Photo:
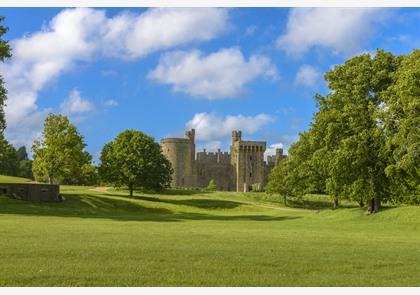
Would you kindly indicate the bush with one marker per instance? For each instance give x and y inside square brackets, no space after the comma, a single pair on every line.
[211,186]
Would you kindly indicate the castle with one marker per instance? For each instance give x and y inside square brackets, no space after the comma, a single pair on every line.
[238,170]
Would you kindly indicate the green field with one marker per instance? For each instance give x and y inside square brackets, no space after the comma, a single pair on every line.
[203,239]
[12,179]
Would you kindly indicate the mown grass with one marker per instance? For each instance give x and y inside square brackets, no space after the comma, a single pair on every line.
[12,179]
[204,239]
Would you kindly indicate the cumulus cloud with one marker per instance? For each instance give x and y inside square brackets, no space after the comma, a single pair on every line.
[81,34]
[135,36]
[222,74]
[41,57]
[307,76]
[75,104]
[211,127]
[343,30]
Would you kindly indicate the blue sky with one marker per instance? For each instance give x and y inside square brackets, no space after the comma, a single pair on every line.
[162,71]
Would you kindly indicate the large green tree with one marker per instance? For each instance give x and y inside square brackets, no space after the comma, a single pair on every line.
[4,54]
[135,160]
[364,141]
[401,118]
[355,136]
[59,155]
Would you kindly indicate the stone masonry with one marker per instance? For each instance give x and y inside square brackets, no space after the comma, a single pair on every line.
[238,170]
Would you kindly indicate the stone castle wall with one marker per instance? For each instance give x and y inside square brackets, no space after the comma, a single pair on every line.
[214,166]
[234,171]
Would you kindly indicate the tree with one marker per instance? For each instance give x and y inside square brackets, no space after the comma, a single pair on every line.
[8,158]
[369,116]
[354,136]
[89,175]
[59,155]
[212,186]
[135,160]
[22,154]
[25,169]
[24,163]
[4,54]
[299,173]
[280,180]
[401,118]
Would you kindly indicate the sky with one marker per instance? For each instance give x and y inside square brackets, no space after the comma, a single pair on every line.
[165,70]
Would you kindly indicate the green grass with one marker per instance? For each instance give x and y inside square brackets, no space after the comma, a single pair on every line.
[12,179]
[204,239]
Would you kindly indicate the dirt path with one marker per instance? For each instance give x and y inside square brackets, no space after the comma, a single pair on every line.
[100,189]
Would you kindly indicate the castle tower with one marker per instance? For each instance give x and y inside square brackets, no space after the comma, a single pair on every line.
[181,153]
[247,159]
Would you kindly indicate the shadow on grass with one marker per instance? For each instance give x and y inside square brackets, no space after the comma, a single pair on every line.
[316,204]
[199,203]
[172,192]
[92,206]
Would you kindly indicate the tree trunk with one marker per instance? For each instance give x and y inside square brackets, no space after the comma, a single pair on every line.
[335,205]
[285,200]
[49,179]
[130,188]
[361,203]
[377,204]
[374,205]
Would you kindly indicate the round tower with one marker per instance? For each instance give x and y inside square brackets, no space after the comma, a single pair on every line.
[181,153]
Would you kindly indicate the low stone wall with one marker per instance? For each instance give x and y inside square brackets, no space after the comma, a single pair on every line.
[37,192]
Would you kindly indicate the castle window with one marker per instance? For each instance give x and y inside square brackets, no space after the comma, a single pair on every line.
[250,174]
[250,157]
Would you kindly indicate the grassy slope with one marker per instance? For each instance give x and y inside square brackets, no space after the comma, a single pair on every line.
[12,179]
[215,239]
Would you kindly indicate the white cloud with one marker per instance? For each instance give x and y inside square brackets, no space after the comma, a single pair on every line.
[222,74]
[28,129]
[135,36]
[307,76]
[210,146]
[81,34]
[75,104]
[111,103]
[343,30]
[41,57]
[271,150]
[210,127]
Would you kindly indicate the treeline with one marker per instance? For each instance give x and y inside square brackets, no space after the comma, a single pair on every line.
[14,162]
[364,141]
[132,160]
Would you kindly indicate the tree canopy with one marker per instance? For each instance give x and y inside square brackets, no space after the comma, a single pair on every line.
[59,155]
[4,54]
[135,160]
[364,142]
[9,164]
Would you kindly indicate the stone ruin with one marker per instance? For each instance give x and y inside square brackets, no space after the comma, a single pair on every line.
[38,192]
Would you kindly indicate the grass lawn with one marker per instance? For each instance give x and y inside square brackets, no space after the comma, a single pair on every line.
[181,238]
[12,179]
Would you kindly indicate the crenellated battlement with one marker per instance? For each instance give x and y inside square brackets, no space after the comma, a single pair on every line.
[213,157]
